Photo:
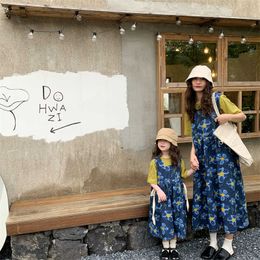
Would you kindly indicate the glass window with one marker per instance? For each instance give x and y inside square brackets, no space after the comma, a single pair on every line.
[248,126]
[243,61]
[172,103]
[181,57]
[248,100]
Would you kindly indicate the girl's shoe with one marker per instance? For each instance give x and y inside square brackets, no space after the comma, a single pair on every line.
[174,254]
[165,255]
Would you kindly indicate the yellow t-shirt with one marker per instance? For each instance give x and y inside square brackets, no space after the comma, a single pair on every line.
[152,174]
[225,105]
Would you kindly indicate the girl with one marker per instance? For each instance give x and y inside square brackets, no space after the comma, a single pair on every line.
[218,194]
[167,214]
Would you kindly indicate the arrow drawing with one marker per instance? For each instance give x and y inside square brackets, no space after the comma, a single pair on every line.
[54,130]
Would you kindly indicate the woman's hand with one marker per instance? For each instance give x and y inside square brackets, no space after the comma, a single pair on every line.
[194,162]
[223,118]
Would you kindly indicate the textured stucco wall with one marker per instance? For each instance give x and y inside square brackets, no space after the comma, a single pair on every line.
[97,161]
[102,160]
[245,9]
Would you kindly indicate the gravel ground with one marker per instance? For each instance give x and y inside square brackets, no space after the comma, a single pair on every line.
[246,246]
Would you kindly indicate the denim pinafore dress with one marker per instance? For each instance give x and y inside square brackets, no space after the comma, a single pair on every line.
[218,194]
[170,216]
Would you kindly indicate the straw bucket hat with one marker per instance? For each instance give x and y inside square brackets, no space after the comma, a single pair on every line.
[167,134]
[201,71]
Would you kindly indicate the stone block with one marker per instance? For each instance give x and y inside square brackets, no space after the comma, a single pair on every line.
[106,239]
[138,236]
[67,250]
[76,233]
[30,246]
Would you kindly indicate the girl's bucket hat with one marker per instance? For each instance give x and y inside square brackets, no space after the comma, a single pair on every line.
[167,134]
[201,71]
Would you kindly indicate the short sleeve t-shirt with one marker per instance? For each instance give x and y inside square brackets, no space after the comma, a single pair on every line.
[225,105]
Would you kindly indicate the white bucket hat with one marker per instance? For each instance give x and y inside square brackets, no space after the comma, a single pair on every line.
[201,71]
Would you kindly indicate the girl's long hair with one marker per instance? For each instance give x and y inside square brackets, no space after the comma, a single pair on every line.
[190,100]
[174,153]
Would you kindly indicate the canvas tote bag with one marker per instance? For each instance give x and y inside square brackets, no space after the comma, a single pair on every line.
[227,134]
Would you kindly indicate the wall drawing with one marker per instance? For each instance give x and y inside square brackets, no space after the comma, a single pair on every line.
[10,99]
[61,106]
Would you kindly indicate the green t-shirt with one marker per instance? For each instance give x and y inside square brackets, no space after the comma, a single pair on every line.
[152,174]
[225,105]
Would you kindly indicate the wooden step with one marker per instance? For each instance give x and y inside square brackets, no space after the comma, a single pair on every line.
[28,216]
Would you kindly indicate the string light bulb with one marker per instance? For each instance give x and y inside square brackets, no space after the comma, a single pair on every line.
[254,24]
[206,50]
[61,35]
[121,30]
[191,41]
[133,27]
[30,34]
[243,40]
[78,16]
[210,29]
[221,35]
[7,11]
[178,21]
[158,36]
[94,37]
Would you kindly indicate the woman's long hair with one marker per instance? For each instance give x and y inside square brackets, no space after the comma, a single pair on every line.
[174,153]
[190,100]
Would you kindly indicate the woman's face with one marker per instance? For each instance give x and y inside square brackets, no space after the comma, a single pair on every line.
[198,84]
[163,145]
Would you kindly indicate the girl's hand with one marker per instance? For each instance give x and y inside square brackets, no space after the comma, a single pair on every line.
[190,172]
[161,195]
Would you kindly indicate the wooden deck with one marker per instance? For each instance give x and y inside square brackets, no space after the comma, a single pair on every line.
[28,216]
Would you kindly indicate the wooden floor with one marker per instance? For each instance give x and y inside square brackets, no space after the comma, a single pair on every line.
[30,216]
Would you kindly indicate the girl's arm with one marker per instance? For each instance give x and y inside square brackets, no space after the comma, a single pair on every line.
[185,173]
[223,118]
[159,191]
[194,163]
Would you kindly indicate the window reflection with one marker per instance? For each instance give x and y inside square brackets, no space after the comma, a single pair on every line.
[172,103]
[181,57]
[243,61]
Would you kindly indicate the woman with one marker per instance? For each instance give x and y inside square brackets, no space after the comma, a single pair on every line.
[218,193]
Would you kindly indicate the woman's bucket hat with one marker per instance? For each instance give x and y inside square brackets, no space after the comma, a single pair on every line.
[201,71]
[167,134]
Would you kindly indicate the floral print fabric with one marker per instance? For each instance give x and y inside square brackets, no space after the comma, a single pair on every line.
[170,216]
[218,193]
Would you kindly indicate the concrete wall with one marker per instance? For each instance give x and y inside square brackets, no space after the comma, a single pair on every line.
[249,9]
[101,160]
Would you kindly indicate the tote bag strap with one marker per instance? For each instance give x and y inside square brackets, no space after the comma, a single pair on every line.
[214,103]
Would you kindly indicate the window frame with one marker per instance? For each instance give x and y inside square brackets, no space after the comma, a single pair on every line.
[222,84]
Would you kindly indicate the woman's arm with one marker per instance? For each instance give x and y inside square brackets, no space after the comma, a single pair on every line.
[230,111]
[223,118]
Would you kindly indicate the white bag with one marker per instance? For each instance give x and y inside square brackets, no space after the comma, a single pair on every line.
[227,134]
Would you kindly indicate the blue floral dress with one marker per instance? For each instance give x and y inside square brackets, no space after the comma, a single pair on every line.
[218,193]
[170,216]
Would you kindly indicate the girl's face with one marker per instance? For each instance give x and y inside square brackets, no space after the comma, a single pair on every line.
[163,145]
[198,84]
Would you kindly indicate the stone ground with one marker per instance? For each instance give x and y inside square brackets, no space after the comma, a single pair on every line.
[246,247]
